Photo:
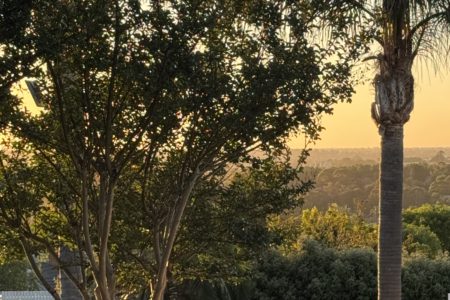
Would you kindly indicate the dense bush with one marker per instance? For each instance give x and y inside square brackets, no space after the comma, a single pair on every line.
[425,279]
[434,216]
[420,241]
[213,290]
[317,273]
[338,228]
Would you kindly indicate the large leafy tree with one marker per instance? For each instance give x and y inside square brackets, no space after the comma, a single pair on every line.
[222,235]
[174,90]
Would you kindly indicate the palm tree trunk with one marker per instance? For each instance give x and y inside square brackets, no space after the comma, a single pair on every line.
[390,213]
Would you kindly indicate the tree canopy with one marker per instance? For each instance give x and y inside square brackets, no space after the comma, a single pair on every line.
[152,100]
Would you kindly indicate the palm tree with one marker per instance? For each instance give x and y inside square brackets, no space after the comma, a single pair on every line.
[406,27]
[403,29]
[394,100]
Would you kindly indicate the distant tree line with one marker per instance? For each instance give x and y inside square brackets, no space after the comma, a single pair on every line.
[356,186]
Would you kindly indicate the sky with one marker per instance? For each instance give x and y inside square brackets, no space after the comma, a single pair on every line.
[351,125]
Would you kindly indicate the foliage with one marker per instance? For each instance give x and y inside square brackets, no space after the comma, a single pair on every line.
[15,275]
[16,54]
[336,228]
[434,216]
[228,225]
[351,186]
[339,228]
[317,272]
[214,290]
[425,279]
[439,189]
[225,228]
[355,186]
[420,241]
[169,93]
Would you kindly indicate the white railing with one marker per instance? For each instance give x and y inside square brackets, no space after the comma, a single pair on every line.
[22,295]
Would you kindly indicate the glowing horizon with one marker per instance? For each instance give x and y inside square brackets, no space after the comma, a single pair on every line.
[351,125]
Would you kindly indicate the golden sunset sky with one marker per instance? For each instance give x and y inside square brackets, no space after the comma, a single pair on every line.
[351,126]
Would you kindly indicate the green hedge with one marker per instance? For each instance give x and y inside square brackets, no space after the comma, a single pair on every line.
[317,272]
[425,279]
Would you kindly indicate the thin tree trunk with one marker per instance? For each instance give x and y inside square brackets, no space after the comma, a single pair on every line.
[37,271]
[390,213]
[161,280]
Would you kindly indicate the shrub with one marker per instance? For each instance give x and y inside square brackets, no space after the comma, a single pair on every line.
[434,216]
[425,279]
[317,273]
[420,241]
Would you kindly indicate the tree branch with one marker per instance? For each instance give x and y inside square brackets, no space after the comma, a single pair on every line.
[423,23]
[36,270]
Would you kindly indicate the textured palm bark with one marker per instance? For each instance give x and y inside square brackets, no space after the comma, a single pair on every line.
[394,96]
[390,214]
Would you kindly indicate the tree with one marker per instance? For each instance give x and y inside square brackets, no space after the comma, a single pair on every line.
[337,228]
[439,157]
[420,241]
[436,217]
[403,29]
[27,213]
[225,228]
[173,91]
[439,189]
[15,276]
[349,186]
